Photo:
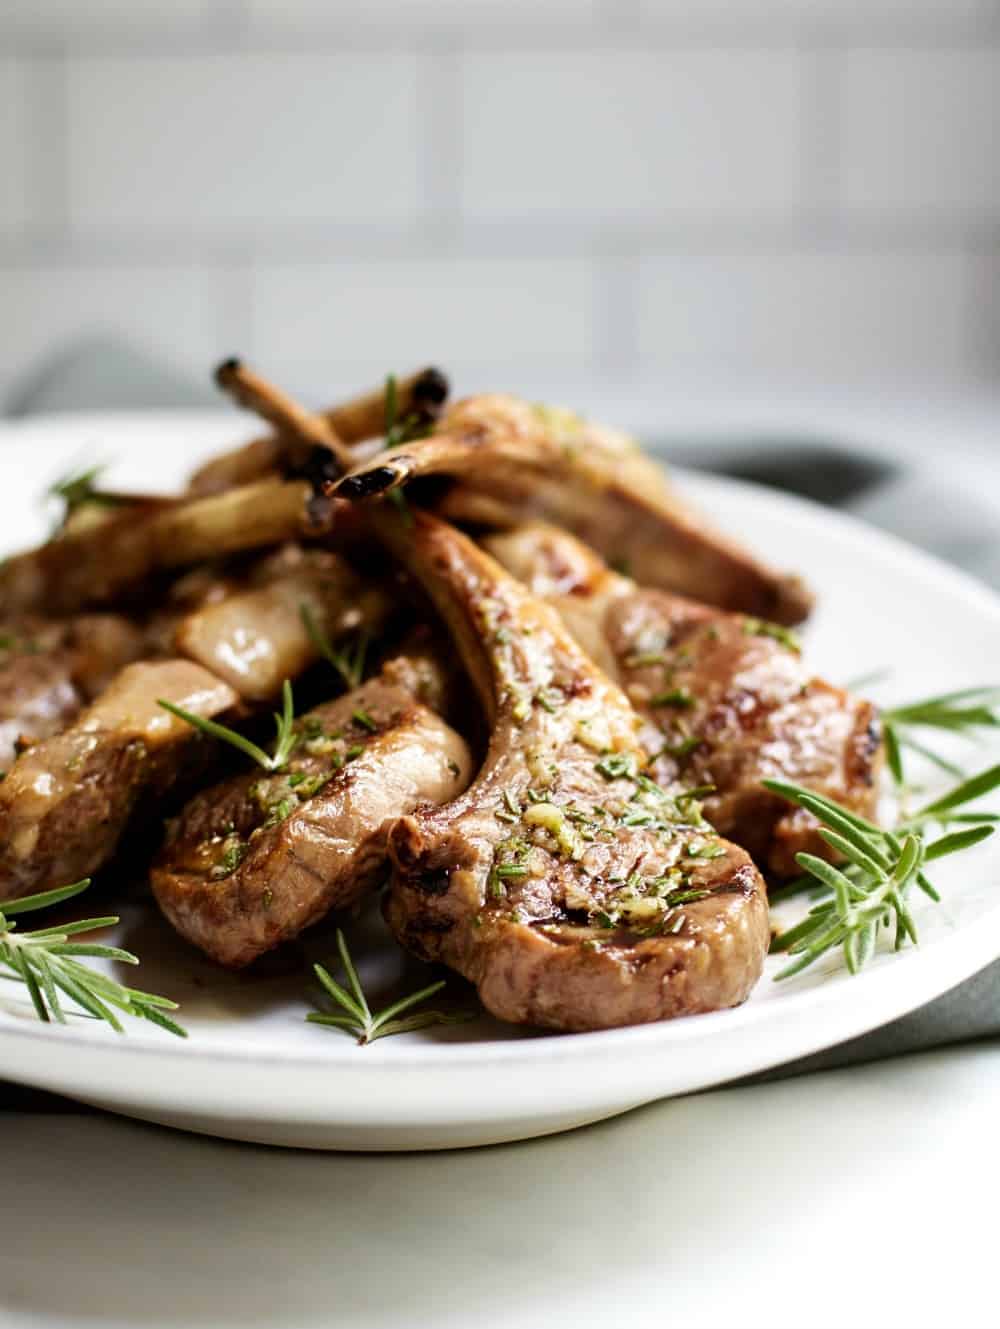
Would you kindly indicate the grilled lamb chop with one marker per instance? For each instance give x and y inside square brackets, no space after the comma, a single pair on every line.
[536,462]
[574,892]
[256,638]
[726,700]
[104,562]
[66,802]
[49,668]
[251,863]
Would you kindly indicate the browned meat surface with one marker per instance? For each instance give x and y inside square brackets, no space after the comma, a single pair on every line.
[98,646]
[66,802]
[570,889]
[37,698]
[549,464]
[256,638]
[48,669]
[254,861]
[105,561]
[727,700]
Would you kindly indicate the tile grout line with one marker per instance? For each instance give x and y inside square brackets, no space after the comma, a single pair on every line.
[229,30]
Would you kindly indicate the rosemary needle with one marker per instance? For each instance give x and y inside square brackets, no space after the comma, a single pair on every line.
[349,662]
[287,738]
[358,1018]
[966,713]
[868,893]
[47,962]
[396,429]
[77,489]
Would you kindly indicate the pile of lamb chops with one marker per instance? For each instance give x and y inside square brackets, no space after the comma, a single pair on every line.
[556,765]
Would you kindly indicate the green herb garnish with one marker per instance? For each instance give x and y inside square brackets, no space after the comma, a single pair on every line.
[762,627]
[349,661]
[679,697]
[362,718]
[398,430]
[869,892]
[47,962]
[965,712]
[359,1020]
[616,766]
[78,489]
[287,738]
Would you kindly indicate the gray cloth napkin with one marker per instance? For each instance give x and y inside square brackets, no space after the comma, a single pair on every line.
[105,374]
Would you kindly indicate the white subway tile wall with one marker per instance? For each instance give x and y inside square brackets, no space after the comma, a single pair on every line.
[889,308]
[54,19]
[921,133]
[14,136]
[793,189]
[246,139]
[317,321]
[170,311]
[632,135]
[857,14]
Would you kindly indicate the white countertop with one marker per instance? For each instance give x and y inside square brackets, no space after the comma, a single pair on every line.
[853,1197]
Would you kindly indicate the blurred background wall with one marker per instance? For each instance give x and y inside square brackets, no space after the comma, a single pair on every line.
[524,190]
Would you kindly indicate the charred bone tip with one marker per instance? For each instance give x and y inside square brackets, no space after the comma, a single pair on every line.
[321,468]
[368,483]
[431,388]
[225,370]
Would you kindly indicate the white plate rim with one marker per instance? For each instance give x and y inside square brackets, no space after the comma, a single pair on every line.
[928,972]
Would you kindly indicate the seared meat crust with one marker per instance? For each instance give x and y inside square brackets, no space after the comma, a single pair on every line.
[727,700]
[252,862]
[569,888]
[50,668]
[67,801]
[545,463]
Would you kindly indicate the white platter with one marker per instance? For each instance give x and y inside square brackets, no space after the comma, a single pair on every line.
[252,1068]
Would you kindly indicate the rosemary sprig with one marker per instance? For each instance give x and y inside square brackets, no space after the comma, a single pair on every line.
[869,892]
[287,738]
[358,1018]
[397,430]
[349,662]
[77,489]
[965,712]
[47,962]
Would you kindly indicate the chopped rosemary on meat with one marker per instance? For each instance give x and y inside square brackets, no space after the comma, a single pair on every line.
[681,749]
[362,718]
[550,699]
[22,645]
[348,661]
[644,659]
[78,489]
[285,743]
[616,766]
[358,1018]
[869,893]
[680,697]
[234,851]
[762,627]
[47,962]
